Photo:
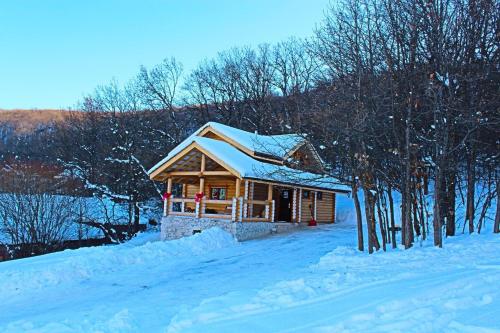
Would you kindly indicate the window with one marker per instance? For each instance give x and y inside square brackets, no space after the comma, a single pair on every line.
[218,193]
[305,194]
[319,195]
[177,190]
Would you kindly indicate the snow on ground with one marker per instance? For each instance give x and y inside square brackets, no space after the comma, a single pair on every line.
[309,281]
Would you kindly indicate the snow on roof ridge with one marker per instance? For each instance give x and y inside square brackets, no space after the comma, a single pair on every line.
[274,145]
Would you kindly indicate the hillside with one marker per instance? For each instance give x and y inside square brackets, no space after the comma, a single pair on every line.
[312,281]
[25,121]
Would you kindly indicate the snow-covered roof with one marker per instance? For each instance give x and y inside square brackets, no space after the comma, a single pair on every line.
[248,167]
[275,145]
[251,168]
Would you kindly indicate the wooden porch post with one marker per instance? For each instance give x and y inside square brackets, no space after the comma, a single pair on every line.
[294,205]
[203,163]
[236,200]
[334,197]
[199,204]
[270,205]
[250,197]
[245,203]
[183,204]
[238,188]
[166,203]
[299,218]
[315,204]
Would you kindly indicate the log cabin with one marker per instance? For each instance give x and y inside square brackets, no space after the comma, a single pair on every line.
[246,183]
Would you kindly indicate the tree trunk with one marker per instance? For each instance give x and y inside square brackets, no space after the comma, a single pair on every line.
[486,205]
[416,222]
[471,179]
[370,220]
[137,219]
[386,218]
[403,217]
[359,217]
[496,226]
[381,225]
[407,220]
[450,204]
[368,216]
[391,210]
[437,209]
[422,215]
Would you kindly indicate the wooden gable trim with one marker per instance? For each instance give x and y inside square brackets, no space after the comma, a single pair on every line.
[227,139]
[316,155]
[311,148]
[217,160]
[230,171]
[174,159]
[294,149]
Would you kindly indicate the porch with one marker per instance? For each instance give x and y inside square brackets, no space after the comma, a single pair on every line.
[220,197]
[231,198]
[200,185]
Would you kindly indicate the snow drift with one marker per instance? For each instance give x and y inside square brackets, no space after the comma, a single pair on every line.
[20,276]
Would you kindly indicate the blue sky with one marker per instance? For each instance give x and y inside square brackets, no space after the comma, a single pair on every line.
[54,51]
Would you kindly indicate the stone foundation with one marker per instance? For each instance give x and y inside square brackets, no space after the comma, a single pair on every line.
[173,227]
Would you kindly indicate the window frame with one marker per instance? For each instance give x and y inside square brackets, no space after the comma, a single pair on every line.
[212,188]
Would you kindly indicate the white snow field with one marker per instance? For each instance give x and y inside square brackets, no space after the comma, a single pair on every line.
[309,281]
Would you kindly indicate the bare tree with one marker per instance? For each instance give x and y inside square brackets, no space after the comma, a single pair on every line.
[34,217]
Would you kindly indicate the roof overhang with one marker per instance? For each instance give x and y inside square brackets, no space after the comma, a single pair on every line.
[294,184]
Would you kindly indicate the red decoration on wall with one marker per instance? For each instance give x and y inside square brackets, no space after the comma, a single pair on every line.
[198,196]
[166,195]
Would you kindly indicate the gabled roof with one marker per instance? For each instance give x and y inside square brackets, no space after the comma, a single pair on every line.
[276,146]
[248,167]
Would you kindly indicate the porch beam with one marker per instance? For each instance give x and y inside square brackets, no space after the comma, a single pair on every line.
[200,173]
[304,187]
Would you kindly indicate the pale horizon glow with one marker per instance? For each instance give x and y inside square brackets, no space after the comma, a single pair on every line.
[56,51]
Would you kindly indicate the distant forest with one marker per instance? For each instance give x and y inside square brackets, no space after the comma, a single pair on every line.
[396,95]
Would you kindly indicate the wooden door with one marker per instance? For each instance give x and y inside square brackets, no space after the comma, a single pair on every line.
[285,206]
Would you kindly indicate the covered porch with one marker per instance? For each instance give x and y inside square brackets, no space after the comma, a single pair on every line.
[219,196]
[200,186]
